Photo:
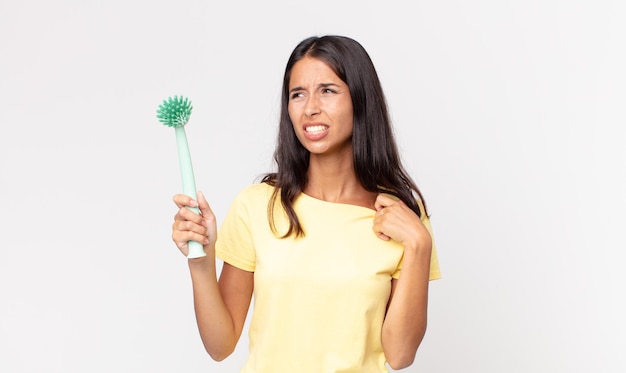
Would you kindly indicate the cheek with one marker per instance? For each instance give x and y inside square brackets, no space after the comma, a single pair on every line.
[347,118]
[346,112]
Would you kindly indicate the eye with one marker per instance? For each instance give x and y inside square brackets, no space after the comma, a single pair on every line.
[295,95]
[328,90]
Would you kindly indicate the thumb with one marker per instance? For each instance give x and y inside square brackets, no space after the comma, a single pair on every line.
[208,218]
[382,201]
[203,205]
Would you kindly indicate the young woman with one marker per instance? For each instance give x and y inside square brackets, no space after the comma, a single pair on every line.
[336,245]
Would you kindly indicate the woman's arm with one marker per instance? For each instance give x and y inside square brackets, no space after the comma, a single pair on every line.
[406,318]
[220,307]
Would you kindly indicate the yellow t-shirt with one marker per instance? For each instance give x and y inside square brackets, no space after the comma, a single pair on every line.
[319,301]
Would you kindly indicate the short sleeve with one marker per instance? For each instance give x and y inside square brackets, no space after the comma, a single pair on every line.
[234,244]
[435,272]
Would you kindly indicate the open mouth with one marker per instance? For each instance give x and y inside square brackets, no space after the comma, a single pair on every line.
[315,129]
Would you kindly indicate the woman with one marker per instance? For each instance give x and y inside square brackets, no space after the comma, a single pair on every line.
[336,245]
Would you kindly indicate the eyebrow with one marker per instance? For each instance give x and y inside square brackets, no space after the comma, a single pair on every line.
[321,85]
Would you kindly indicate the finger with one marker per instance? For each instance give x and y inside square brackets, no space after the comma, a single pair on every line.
[185,214]
[181,239]
[376,227]
[183,200]
[382,201]
[203,205]
[184,231]
[189,226]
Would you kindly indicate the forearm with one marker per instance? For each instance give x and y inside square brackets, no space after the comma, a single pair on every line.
[406,318]
[214,320]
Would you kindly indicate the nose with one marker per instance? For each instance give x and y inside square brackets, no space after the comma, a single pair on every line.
[312,107]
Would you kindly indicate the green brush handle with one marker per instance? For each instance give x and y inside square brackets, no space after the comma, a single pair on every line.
[189,184]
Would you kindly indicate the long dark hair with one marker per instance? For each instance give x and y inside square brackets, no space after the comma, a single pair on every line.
[376,160]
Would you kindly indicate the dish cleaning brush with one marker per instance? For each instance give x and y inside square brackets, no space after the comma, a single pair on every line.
[175,112]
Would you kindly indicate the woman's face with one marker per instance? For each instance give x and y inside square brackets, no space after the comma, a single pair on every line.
[320,108]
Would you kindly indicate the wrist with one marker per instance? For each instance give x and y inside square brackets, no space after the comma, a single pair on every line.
[419,247]
[201,263]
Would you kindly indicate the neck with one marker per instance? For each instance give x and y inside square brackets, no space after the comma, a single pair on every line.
[334,180]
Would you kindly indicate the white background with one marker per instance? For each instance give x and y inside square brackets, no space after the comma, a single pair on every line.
[510,115]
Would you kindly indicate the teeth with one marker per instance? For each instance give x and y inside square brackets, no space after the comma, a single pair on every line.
[315,129]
